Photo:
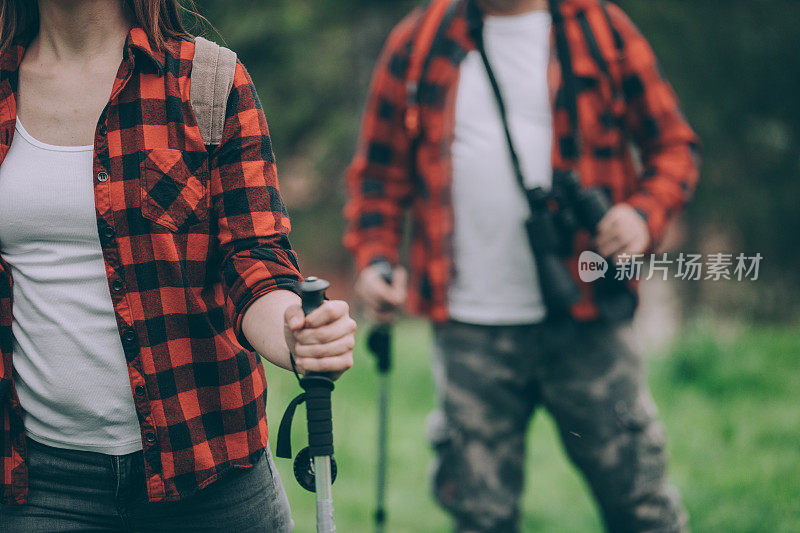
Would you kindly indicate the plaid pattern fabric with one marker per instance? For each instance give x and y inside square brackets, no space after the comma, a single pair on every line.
[634,104]
[190,238]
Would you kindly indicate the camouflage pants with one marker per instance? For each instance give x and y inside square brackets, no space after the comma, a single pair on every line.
[491,379]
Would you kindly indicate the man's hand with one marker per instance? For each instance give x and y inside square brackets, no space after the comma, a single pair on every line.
[324,340]
[622,230]
[382,300]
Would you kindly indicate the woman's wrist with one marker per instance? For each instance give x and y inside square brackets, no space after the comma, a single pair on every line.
[263,326]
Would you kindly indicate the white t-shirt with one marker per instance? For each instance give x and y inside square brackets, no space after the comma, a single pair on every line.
[495,278]
[69,367]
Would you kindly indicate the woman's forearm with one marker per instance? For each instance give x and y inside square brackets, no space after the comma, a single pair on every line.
[263,325]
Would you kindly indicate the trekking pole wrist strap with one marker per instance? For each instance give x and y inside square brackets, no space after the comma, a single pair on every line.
[317,397]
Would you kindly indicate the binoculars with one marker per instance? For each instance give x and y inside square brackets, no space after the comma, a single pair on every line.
[578,208]
[551,233]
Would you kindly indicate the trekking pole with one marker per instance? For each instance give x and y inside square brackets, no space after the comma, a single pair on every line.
[314,466]
[380,344]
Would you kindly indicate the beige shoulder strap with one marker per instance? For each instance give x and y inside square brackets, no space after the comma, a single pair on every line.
[213,68]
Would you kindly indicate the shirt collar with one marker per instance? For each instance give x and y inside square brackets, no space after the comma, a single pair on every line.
[10,61]
[139,42]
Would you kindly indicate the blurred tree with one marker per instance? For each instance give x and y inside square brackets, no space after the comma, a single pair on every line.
[734,64]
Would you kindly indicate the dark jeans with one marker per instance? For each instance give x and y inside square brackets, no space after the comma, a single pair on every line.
[85,491]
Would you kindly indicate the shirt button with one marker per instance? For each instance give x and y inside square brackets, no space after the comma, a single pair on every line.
[102,177]
[103,129]
[150,437]
[108,232]
[129,344]
[139,390]
[129,337]
[118,285]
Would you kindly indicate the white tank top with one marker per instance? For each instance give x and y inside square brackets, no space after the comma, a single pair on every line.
[69,367]
[495,278]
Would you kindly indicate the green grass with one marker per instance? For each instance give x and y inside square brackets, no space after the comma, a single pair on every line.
[729,402]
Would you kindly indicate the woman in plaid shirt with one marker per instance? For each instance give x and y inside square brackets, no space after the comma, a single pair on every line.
[149,271]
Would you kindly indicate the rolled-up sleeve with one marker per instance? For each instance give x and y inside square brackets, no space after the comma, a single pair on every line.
[252,222]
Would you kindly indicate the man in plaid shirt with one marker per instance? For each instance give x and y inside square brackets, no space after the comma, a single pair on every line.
[498,353]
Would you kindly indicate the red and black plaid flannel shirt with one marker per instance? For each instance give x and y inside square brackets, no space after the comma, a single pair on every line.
[190,238]
[634,104]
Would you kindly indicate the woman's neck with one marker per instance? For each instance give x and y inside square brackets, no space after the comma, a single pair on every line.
[79,30]
[511,7]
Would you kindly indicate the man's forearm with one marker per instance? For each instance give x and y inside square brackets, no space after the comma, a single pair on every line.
[263,325]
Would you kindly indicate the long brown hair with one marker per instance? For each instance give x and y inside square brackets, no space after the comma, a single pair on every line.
[160,19]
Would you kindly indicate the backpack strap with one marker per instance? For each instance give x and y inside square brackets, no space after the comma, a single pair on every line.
[421,48]
[594,48]
[618,42]
[213,68]
[571,146]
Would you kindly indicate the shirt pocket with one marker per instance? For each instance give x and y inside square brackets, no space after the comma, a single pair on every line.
[174,192]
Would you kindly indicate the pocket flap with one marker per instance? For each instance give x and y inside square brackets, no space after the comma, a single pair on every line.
[174,192]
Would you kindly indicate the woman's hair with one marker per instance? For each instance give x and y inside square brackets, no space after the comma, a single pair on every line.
[160,19]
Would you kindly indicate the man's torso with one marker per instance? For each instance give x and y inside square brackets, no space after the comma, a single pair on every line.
[495,279]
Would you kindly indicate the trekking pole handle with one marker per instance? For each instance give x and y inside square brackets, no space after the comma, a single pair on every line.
[379,340]
[312,293]
[385,270]
[318,385]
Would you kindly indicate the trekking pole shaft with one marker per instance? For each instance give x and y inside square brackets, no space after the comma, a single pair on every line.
[383,426]
[322,477]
